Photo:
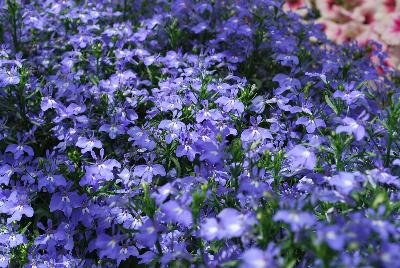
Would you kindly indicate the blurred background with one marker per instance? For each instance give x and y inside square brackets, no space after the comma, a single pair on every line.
[356,20]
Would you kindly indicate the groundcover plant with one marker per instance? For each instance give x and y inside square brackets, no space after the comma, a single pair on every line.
[183,133]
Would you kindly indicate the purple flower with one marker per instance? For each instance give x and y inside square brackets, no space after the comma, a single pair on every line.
[47,103]
[286,82]
[108,246]
[19,149]
[147,235]
[333,236]
[302,157]
[230,104]
[12,239]
[17,206]
[379,176]
[65,201]
[310,124]
[257,258]
[210,229]
[177,213]
[255,133]
[206,114]
[50,181]
[232,222]
[9,77]
[87,145]
[296,220]
[113,130]
[352,126]
[199,27]
[345,182]
[163,192]
[186,148]
[210,152]
[6,171]
[102,169]
[349,95]
[147,172]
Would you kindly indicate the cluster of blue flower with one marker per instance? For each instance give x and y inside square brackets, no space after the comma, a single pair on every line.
[192,133]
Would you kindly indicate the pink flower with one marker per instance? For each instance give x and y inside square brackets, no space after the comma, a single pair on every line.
[390,6]
[294,4]
[391,29]
[329,9]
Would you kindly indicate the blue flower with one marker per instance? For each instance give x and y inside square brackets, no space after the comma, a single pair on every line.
[65,201]
[352,127]
[296,220]
[87,145]
[302,157]
[147,172]
[177,213]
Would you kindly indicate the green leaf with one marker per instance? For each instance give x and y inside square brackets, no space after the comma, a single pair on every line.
[177,166]
[23,230]
[330,104]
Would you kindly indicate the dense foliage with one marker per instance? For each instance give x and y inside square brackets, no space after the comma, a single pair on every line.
[192,133]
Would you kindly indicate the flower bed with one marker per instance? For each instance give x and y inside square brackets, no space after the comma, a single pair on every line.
[192,134]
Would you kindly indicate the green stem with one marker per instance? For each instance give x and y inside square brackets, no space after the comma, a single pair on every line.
[12,10]
[388,148]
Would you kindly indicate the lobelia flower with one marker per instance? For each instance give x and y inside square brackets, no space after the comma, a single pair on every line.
[199,27]
[147,235]
[47,103]
[6,171]
[65,201]
[85,212]
[125,252]
[147,172]
[352,127]
[64,234]
[380,176]
[9,77]
[210,152]
[50,181]
[177,213]
[302,157]
[123,216]
[87,145]
[255,133]
[258,104]
[12,239]
[5,259]
[103,167]
[286,83]
[72,111]
[109,246]
[163,192]
[345,182]
[112,129]
[141,138]
[19,149]
[232,222]
[296,220]
[17,206]
[174,128]
[258,258]
[210,229]
[310,124]
[333,236]
[230,104]
[206,114]
[350,95]
[186,147]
